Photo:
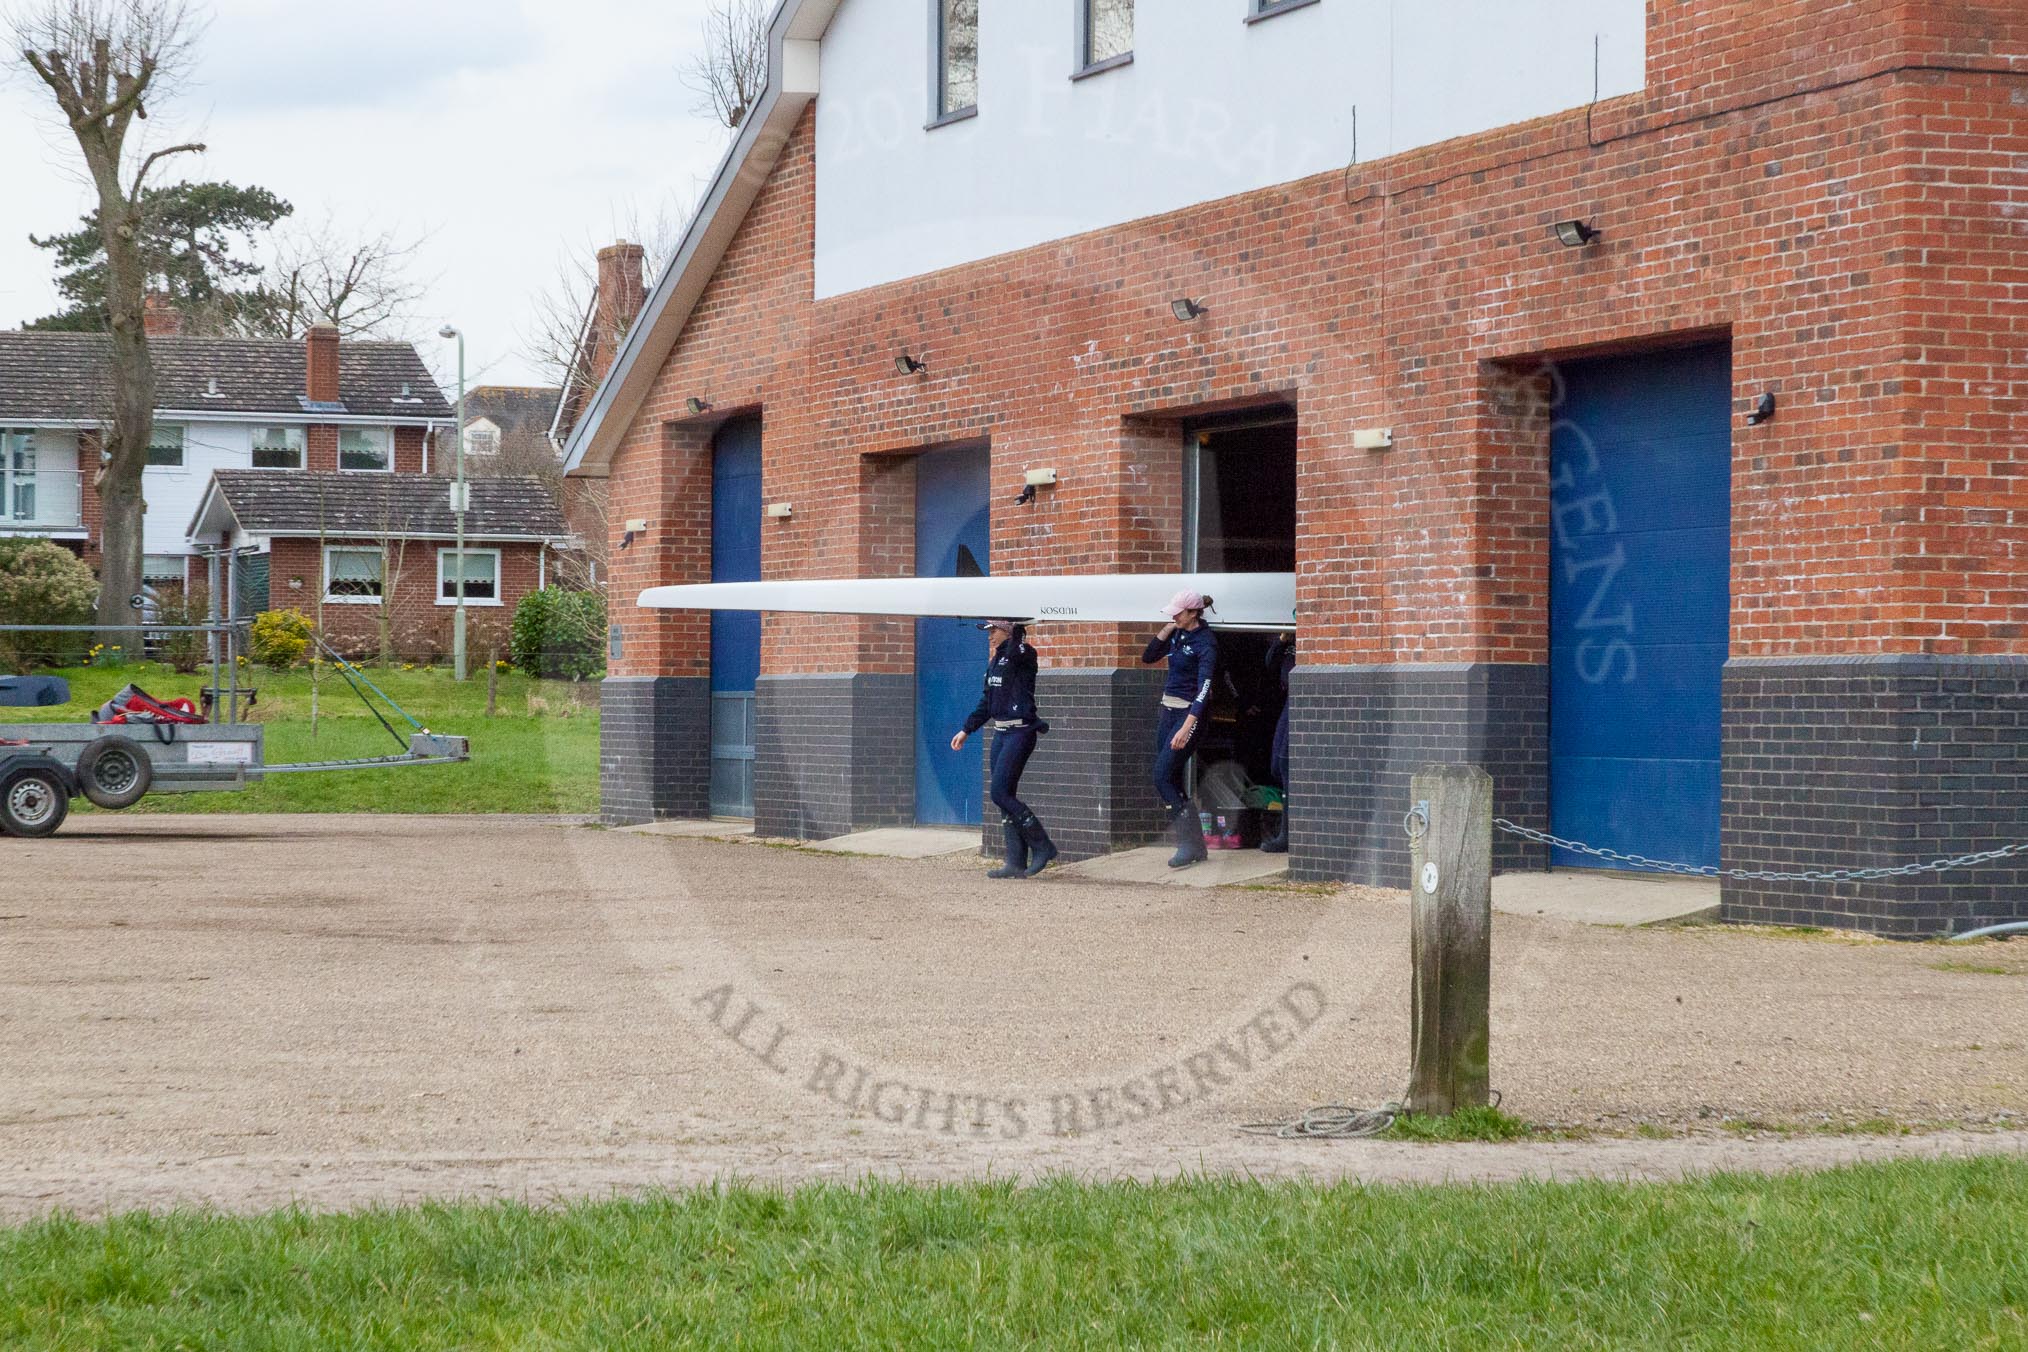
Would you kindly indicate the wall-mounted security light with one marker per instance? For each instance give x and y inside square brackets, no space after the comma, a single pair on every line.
[638,526]
[1574,234]
[905,365]
[1373,439]
[1185,309]
[1032,480]
[781,511]
[1763,409]
[696,405]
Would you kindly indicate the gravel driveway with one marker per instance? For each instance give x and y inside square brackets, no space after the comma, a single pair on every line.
[247,1010]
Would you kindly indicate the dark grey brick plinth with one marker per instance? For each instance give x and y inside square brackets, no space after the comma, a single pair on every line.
[833,754]
[1357,735]
[654,748]
[1089,779]
[1864,763]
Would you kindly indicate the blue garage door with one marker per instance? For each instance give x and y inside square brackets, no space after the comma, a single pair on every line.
[735,635]
[1640,550]
[951,537]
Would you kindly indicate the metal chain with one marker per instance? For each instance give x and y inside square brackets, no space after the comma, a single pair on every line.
[1836,875]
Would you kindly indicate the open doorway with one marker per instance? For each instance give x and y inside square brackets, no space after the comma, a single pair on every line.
[1239,485]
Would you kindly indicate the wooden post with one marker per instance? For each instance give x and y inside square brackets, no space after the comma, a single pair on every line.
[492,681]
[1450,939]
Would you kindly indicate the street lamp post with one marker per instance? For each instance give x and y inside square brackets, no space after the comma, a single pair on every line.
[458,510]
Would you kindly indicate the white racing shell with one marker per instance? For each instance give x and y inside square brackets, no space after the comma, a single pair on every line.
[1239,600]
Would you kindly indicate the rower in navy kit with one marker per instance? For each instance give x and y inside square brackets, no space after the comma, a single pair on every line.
[1007,701]
[1192,651]
[1281,660]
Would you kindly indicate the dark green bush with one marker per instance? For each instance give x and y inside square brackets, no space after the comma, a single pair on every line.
[560,635]
[41,582]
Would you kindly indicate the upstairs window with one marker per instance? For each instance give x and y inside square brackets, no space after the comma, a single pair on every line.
[957,58]
[165,447]
[1105,34]
[368,449]
[278,448]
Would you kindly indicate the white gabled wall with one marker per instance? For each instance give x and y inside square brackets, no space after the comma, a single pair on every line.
[172,494]
[1210,106]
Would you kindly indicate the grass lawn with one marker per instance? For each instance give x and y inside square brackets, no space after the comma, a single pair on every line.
[1915,1254]
[540,754]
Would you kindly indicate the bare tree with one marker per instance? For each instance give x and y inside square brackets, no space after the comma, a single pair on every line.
[729,69]
[319,276]
[103,61]
[394,541]
[566,313]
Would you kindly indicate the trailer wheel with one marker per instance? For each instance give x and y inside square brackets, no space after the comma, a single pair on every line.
[33,803]
[114,772]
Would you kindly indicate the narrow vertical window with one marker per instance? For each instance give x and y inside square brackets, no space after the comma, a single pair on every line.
[1105,32]
[957,54]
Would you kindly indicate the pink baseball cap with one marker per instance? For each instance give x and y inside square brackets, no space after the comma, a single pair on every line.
[1182,601]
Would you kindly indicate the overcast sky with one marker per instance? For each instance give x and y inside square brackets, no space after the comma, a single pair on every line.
[508,134]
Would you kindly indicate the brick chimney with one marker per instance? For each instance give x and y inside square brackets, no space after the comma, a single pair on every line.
[320,364]
[622,292]
[159,316]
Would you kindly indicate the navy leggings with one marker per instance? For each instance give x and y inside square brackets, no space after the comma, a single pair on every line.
[1278,762]
[1011,749]
[1169,762]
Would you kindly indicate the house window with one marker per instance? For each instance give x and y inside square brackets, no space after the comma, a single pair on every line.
[165,446]
[1105,34]
[365,448]
[1264,9]
[352,576]
[161,568]
[482,577]
[17,474]
[278,448]
[482,441]
[957,59]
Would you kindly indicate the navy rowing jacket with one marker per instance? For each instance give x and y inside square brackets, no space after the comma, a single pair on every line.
[1193,660]
[1009,692]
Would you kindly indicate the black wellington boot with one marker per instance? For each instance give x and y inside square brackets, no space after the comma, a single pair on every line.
[1278,843]
[1189,838]
[1040,848]
[1016,865]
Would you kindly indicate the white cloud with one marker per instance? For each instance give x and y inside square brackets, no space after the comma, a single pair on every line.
[510,135]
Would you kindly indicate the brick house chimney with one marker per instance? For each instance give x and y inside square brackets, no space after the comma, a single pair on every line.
[622,292]
[159,316]
[320,364]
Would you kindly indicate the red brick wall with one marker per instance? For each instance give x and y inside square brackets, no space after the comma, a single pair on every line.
[408,450]
[1808,180]
[320,448]
[421,629]
[92,507]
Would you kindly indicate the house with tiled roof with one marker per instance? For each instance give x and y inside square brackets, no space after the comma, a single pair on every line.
[376,555]
[507,429]
[334,417]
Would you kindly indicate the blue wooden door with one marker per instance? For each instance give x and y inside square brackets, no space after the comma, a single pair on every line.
[1640,556]
[951,539]
[735,635]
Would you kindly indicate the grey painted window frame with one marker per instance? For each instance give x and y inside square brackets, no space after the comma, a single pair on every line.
[1080,47]
[939,115]
[1269,9]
